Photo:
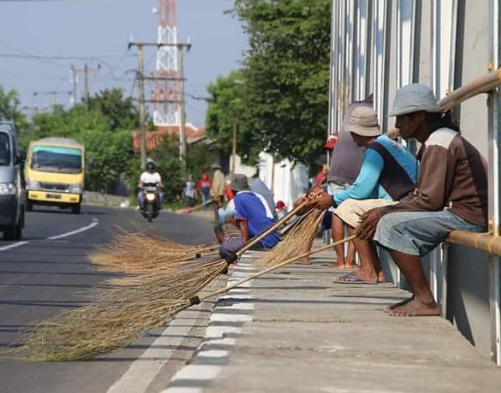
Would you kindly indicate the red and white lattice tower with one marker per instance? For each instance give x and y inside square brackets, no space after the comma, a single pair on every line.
[167,112]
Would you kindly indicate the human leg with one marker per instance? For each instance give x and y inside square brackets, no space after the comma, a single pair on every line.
[422,302]
[409,235]
[338,235]
[349,213]
[140,199]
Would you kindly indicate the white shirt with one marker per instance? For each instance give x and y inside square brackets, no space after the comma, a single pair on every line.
[147,177]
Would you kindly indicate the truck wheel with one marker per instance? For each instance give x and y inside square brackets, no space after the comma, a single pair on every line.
[15,232]
[75,209]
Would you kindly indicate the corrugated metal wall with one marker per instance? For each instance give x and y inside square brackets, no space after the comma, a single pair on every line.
[380,45]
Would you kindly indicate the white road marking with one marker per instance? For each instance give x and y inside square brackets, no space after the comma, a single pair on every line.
[94,223]
[15,245]
[75,232]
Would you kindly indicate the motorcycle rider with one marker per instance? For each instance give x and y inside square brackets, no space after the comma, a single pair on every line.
[150,176]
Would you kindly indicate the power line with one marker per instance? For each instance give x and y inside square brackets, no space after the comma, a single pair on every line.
[59,57]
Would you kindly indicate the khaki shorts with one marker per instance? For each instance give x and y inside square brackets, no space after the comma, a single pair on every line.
[351,210]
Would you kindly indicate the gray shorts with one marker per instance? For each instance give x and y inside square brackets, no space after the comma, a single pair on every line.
[231,246]
[418,233]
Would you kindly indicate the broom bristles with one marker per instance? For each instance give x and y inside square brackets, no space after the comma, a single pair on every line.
[297,241]
[118,316]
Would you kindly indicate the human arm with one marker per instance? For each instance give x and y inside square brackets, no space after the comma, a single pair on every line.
[434,183]
[244,228]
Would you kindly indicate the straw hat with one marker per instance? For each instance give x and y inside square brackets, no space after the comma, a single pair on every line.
[363,122]
[414,98]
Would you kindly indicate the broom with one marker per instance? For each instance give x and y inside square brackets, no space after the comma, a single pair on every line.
[136,253]
[107,325]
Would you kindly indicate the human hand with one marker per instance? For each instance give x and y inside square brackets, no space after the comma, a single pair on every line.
[368,224]
[323,201]
[217,201]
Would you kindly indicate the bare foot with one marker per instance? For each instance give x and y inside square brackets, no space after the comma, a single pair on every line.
[393,306]
[369,277]
[416,308]
[337,265]
[380,277]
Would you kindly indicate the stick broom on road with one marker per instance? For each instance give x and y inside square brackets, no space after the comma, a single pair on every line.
[120,317]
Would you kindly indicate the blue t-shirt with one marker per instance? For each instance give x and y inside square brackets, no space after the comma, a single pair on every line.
[252,208]
[367,185]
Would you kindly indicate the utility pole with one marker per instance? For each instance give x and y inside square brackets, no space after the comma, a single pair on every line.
[86,71]
[74,80]
[142,100]
[52,96]
[182,101]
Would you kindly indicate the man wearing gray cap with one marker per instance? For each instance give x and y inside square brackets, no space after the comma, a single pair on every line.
[451,194]
[252,212]
[388,173]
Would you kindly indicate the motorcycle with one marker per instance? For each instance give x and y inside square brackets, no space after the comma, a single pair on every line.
[151,207]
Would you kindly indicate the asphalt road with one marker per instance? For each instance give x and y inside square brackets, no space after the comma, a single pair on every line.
[49,271]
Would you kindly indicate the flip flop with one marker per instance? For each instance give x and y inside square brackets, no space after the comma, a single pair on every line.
[353,279]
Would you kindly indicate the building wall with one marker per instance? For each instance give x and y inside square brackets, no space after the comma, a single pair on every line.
[449,48]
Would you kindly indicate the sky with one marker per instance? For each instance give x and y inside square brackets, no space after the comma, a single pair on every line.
[99,31]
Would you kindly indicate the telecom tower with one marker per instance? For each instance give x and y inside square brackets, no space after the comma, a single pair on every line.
[167,86]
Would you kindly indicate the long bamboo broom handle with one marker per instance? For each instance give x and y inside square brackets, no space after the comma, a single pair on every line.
[198,299]
[274,227]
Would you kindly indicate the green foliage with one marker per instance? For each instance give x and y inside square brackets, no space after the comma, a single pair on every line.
[120,112]
[284,100]
[10,108]
[108,156]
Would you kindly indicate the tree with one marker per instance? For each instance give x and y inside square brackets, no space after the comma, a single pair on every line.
[286,73]
[10,108]
[119,111]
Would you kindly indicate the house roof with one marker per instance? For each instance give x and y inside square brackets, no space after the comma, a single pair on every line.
[155,138]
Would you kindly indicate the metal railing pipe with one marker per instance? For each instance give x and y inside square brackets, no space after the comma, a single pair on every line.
[480,241]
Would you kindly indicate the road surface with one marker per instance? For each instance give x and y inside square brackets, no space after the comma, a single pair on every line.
[49,271]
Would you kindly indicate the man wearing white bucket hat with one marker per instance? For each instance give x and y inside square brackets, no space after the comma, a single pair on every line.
[451,194]
[388,173]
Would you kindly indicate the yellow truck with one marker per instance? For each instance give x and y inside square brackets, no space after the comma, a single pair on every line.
[54,173]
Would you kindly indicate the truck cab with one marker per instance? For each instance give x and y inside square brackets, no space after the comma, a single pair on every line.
[54,172]
[12,193]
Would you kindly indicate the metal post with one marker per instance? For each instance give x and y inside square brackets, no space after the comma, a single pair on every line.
[182,105]
[86,84]
[494,180]
[234,145]
[74,81]
[142,109]
[444,278]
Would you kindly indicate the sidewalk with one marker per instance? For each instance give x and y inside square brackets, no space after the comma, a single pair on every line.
[296,331]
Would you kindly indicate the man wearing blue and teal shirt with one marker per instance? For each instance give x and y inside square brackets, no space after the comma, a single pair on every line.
[388,173]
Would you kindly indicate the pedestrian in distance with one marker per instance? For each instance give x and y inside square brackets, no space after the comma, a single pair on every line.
[452,193]
[190,192]
[388,174]
[203,187]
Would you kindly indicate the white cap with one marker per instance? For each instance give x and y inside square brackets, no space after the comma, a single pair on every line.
[414,98]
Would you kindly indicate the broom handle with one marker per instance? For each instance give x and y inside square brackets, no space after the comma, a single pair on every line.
[271,229]
[273,268]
